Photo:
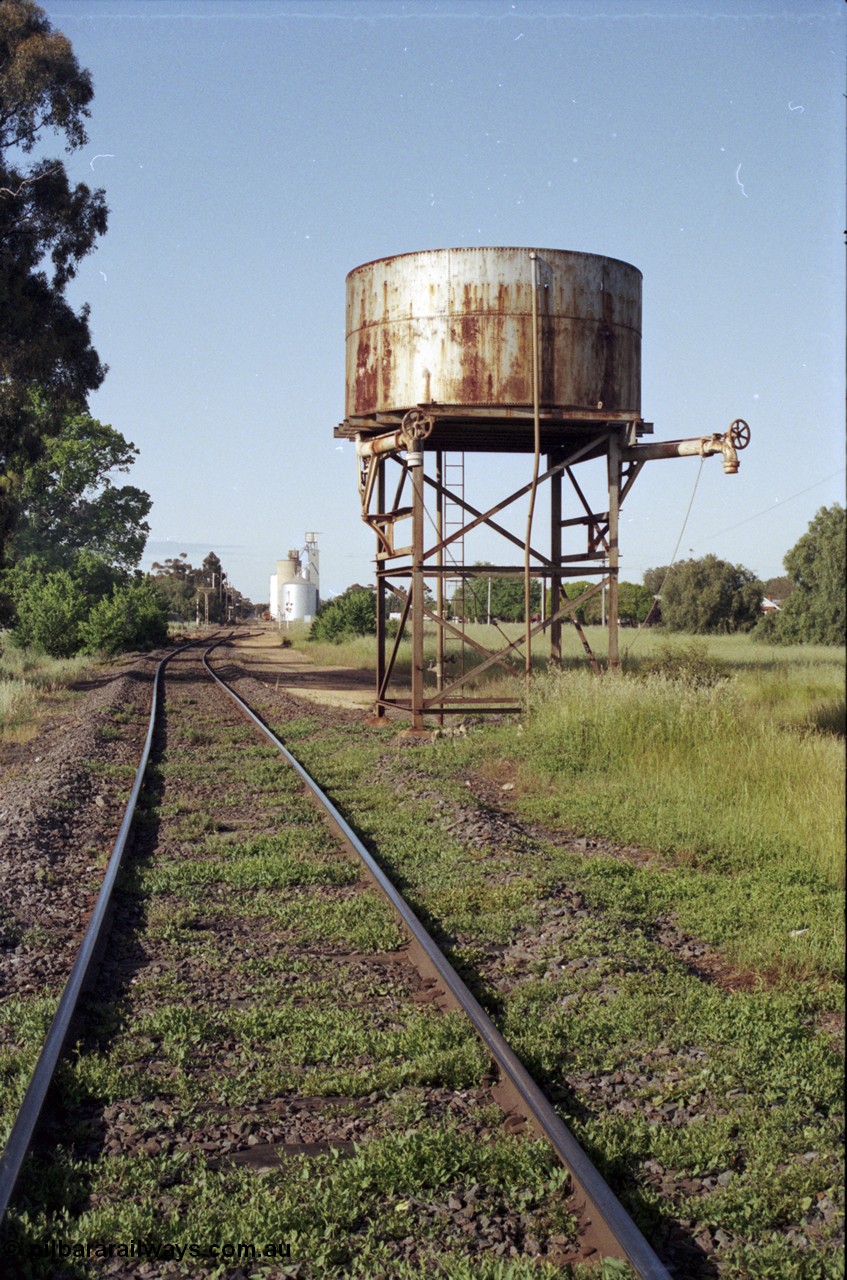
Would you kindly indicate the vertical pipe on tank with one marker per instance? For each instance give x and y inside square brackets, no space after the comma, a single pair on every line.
[556,558]
[536,423]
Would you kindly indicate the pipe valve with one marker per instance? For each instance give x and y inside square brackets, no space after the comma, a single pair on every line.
[729,444]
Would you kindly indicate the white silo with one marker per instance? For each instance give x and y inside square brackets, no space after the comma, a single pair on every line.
[286,571]
[298,600]
[295,585]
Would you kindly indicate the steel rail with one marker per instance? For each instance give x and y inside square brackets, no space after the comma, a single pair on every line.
[23,1129]
[615,1229]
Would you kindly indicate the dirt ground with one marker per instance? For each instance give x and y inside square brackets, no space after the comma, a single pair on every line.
[297,672]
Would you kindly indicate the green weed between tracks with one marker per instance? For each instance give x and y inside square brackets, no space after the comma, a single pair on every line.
[179,1044]
[338,1216]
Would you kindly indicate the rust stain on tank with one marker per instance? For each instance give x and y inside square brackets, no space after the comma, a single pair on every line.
[472,358]
[549,361]
[606,352]
[366,383]
[385,364]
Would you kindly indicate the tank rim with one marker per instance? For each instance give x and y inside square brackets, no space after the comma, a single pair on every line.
[487,248]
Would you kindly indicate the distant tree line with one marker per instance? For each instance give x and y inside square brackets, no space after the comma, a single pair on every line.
[708,596]
[635,603]
[202,593]
[501,599]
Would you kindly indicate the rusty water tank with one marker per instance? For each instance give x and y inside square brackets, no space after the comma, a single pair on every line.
[454,327]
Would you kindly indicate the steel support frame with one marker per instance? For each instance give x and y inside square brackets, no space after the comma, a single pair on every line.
[404,569]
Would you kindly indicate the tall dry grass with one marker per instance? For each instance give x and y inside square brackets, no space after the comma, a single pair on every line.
[719,746]
[27,680]
[699,769]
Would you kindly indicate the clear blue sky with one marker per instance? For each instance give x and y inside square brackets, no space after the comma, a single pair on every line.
[255,151]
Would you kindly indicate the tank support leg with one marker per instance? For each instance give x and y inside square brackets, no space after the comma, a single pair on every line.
[381,597]
[614,545]
[439,587]
[555,560]
[415,463]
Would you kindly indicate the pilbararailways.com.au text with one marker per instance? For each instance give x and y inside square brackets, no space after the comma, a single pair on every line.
[144,1250]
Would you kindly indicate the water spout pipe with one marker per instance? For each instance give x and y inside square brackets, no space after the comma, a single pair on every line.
[727,443]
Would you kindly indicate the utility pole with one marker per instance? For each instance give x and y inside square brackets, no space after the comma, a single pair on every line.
[207,591]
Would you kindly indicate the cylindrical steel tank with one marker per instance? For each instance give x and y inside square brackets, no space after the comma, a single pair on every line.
[454,327]
[298,600]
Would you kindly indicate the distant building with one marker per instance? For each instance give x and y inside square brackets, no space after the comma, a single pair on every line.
[294,588]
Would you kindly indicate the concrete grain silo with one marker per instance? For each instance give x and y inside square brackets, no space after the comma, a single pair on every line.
[295,587]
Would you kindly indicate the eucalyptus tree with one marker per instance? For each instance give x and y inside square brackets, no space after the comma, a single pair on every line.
[706,596]
[47,226]
[815,611]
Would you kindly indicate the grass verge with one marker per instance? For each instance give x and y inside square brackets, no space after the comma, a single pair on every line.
[28,680]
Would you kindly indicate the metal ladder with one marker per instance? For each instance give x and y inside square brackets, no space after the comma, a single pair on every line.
[454,518]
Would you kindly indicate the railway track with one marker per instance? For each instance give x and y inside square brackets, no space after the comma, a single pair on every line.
[269,1001]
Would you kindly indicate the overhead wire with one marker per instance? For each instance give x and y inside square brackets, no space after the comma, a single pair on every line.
[779,503]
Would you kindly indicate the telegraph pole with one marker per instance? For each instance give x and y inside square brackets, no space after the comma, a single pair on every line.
[207,591]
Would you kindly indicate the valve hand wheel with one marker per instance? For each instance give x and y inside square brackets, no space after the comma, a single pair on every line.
[739,433]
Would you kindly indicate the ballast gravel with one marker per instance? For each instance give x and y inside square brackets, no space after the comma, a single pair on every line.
[62,800]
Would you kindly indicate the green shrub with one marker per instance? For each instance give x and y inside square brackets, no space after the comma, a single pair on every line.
[351,614]
[132,617]
[50,613]
[707,596]
[689,664]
